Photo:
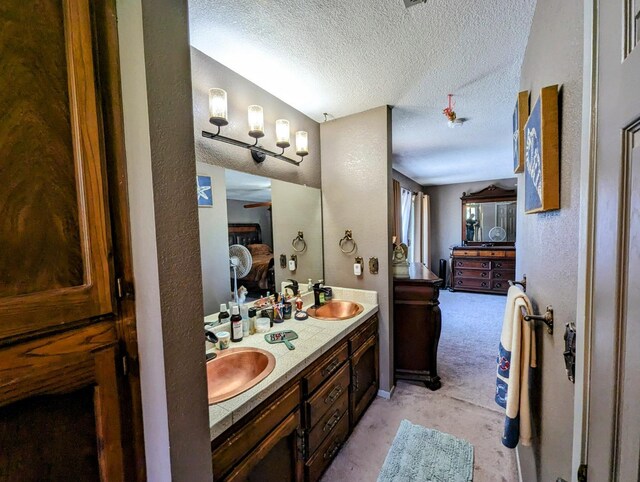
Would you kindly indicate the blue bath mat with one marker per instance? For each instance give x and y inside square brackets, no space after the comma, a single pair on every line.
[422,454]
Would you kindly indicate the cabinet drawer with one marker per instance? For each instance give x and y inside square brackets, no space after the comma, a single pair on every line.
[472,263]
[492,254]
[327,450]
[502,285]
[473,273]
[466,252]
[326,396]
[242,441]
[504,264]
[328,423]
[363,334]
[510,254]
[503,274]
[328,367]
[473,283]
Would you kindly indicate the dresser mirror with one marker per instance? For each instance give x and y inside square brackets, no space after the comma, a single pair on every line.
[489,217]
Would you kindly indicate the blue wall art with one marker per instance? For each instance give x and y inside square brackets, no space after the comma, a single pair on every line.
[205,192]
[541,183]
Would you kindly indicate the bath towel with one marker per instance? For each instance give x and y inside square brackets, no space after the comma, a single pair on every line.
[517,354]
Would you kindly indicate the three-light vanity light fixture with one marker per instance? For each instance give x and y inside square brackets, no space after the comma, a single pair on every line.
[218,117]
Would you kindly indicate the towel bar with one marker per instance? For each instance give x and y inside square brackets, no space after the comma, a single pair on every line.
[522,283]
[546,318]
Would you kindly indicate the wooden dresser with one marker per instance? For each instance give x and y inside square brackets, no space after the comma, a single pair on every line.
[482,269]
[416,326]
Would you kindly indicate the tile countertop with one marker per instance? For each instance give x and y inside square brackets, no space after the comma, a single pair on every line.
[315,337]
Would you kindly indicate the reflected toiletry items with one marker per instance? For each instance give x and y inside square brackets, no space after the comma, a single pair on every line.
[224,337]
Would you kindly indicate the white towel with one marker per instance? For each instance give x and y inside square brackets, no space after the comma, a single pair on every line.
[517,353]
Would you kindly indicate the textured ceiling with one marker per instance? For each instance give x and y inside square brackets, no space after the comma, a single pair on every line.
[344,57]
[247,187]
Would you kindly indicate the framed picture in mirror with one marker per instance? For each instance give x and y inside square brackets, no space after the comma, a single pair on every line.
[520,114]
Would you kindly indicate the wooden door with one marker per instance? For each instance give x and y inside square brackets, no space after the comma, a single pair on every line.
[364,378]
[54,229]
[66,410]
[613,448]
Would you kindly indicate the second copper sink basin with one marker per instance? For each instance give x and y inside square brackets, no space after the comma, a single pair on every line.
[236,370]
[336,310]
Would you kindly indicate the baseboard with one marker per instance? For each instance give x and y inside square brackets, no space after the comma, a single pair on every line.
[385,394]
[518,465]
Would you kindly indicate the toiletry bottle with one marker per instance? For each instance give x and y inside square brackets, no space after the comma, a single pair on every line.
[310,285]
[223,316]
[236,325]
[244,313]
[299,303]
[252,321]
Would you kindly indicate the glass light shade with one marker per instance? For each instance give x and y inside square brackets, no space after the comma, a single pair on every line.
[282,133]
[256,121]
[218,107]
[302,143]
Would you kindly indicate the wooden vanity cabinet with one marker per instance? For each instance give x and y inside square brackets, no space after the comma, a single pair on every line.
[298,431]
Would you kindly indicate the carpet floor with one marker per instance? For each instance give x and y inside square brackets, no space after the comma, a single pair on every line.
[463,407]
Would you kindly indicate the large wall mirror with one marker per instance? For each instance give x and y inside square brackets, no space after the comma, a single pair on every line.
[265,218]
[489,217]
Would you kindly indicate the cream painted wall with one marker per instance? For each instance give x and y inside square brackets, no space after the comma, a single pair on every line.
[297,208]
[446,214]
[158,123]
[207,73]
[214,243]
[356,195]
[547,243]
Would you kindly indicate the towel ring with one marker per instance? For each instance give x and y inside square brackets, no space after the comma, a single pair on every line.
[344,243]
[546,318]
[299,241]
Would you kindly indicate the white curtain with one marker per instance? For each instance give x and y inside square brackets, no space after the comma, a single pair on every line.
[417,219]
[426,230]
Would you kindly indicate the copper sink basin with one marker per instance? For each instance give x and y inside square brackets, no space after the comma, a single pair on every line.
[236,370]
[336,310]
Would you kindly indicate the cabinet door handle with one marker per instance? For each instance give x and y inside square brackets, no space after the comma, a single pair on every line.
[484,265]
[459,263]
[459,273]
[498,264]
[459,282]
[330,367]
[332,422]
[335,393]
[332,450]
[483,284]
[483,274]
[498,275]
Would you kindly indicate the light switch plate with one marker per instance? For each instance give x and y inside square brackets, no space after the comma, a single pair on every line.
[373,265]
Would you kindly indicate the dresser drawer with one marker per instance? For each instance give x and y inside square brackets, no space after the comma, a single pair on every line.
[502,286]
[473,283]
[503,274]
[492,253]
[466,252]
[326,396]
[328,367]
[471,263]
[473,273]
[504,264]
[510,254]
[327,450]
[328,423]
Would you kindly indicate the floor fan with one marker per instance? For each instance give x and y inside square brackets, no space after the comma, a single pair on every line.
[240,262]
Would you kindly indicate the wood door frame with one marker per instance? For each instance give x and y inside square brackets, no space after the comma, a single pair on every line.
[110,103]
[586,243]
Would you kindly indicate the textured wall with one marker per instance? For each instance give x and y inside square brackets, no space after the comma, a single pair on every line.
[547,243]
[297,208]
[207,73]
[167,64]
[356,195]
[214,244]
[446,214]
